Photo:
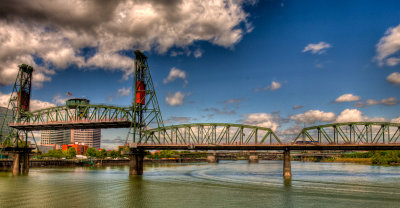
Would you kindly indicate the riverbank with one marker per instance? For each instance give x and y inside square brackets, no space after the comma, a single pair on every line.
[6,164]
[349,160]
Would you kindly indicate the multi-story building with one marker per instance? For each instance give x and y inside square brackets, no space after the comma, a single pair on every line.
[6,129]
[90,137]
[59,137]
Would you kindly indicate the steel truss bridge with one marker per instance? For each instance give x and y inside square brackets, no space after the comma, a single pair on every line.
[210,133]
[217,136]
[338,136]
[76,117]
[351,133]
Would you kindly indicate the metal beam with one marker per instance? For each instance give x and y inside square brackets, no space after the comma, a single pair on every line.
[351,133]
[210,133]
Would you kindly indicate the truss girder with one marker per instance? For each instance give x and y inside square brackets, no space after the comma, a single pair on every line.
[210,133]
[80,116]
[351,133]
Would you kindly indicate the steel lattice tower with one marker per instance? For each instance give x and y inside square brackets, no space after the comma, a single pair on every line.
[145,108]
[19,106]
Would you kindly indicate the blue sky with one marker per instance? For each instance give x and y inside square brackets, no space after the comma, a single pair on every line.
[279,64]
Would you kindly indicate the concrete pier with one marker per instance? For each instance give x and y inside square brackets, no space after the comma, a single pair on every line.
[253,157]
[25,163]
[287,169]
[20,163]
[136,162]
[16,167]
[212,157]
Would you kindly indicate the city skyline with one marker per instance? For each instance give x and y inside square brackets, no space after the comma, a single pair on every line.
[277,64]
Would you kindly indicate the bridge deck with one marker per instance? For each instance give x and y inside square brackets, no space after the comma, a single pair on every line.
[80,124]
[395,146]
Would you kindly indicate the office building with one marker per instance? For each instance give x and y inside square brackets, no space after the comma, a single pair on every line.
[90,137]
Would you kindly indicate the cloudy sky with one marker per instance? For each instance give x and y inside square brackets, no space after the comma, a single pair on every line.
[278,64]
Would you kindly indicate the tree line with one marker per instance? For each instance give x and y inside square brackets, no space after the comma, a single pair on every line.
[389,157]
[90,153]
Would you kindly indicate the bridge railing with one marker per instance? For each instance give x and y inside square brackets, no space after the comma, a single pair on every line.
[351,133]
[210,133]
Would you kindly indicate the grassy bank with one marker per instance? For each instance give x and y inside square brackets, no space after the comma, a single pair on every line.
[370,157]
[349,160]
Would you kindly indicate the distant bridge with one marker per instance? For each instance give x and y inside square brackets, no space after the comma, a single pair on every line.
[351,133]
[209,133]
[221,136]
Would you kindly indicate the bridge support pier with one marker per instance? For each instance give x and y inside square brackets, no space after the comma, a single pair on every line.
[20,163]
[136,162]
[253,157]
[25,163]
[16,167]
[287,169]
[212,157]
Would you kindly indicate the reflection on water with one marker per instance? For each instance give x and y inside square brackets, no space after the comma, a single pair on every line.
[227,184]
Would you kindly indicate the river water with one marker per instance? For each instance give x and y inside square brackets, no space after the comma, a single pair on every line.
[226,184]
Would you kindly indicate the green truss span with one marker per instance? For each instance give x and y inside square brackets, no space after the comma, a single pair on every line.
[210,133]
[76,117]
[351,133]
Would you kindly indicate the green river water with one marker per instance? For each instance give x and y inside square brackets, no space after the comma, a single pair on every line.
[226,184]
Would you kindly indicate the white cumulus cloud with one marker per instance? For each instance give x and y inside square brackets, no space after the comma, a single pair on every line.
[174,74]
[313,116]
[388,46]
[347,98]
[394,78]
[272,87]
[263,120]
[175,99]
[355,115]
[60,100]
[395,120]
[124,91]
[317,48]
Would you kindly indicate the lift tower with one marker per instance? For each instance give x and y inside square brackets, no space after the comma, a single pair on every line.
[146,113]
[15,142]
[145,108]
[17,109]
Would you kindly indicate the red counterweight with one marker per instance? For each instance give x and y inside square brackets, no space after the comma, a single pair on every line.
[24,98]
[140,93]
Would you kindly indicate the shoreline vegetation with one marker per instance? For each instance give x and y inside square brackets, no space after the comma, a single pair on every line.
[389,157]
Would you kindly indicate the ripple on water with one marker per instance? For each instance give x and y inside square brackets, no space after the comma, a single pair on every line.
[227,184]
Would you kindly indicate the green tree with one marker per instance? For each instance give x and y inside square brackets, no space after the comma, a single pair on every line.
[91,152]
[115,154]
[102,154]
[71,153]
[54,154]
